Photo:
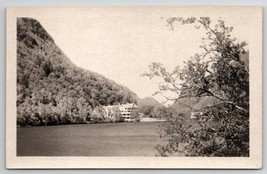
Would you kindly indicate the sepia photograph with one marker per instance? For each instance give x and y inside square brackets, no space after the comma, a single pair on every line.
[120,84]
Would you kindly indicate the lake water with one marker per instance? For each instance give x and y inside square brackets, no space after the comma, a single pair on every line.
[109,139]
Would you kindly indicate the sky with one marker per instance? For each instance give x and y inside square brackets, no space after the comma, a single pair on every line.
[121,44]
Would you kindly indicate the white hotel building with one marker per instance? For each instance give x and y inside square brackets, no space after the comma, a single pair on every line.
[125,110]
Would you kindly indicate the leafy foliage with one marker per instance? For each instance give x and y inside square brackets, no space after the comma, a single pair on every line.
[156,111]
[220,74]
[50,88]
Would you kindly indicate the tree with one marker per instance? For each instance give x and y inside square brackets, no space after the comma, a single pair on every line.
[218,73]
[84,110]
[156,111]
[135,114]
[117,114]
[147,110]
[98,114]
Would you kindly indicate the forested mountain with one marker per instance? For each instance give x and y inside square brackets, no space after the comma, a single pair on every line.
[188,105]
[50,88]
[147,101]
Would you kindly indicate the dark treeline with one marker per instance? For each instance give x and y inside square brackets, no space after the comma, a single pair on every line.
[51,90]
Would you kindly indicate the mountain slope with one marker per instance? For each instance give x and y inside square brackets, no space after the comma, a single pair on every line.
[188,105]
[147,101]
[50,86]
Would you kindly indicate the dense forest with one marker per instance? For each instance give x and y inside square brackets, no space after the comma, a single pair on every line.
[52,90]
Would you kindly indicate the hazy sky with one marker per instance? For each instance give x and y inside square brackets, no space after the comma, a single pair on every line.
[120,44]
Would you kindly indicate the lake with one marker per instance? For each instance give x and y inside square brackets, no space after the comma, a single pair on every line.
[107,139]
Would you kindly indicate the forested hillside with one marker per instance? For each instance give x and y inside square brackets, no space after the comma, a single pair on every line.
[147,101]
[50,88]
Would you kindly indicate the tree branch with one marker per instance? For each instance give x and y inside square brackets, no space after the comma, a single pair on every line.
[227,101]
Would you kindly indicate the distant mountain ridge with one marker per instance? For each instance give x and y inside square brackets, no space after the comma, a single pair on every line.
[147,101]
[188,105]
[48,83]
